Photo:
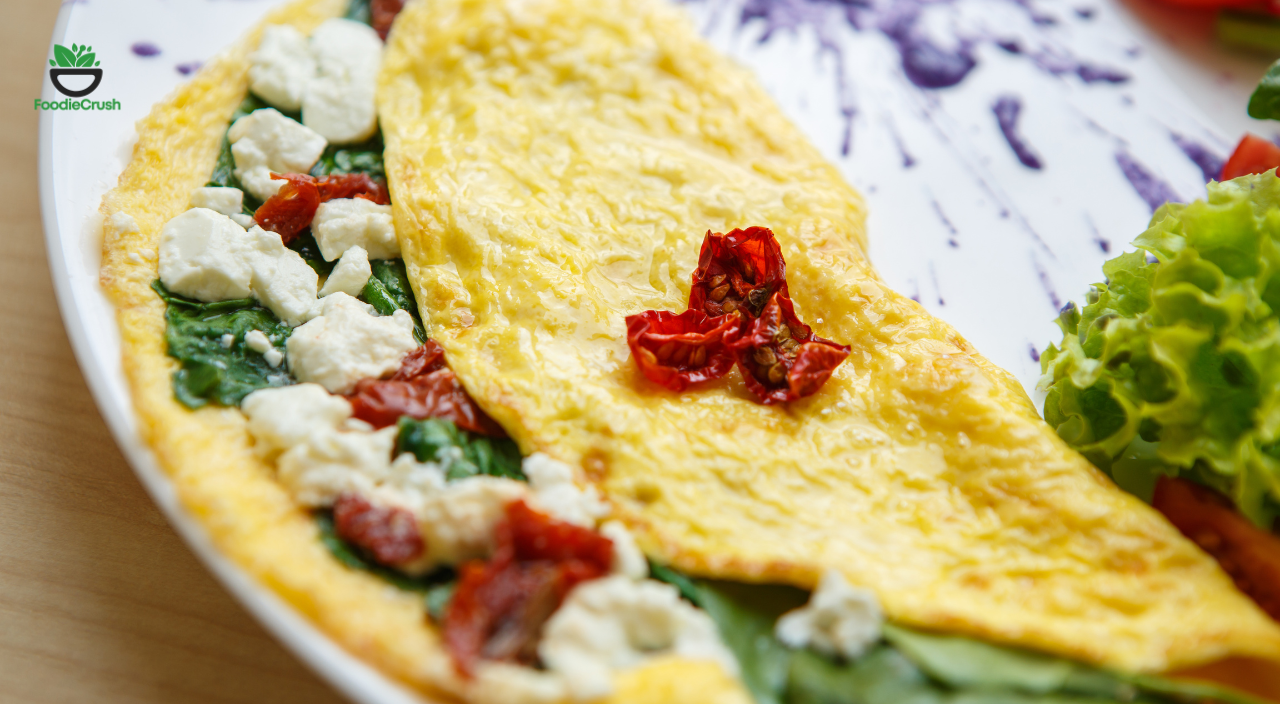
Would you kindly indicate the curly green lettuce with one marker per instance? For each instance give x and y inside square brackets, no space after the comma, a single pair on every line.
[1173,366]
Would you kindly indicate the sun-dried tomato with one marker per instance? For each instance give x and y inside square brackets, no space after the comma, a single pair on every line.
[423,387]
[364,186]
[678,350]
[388,534]
[780,357]
[435,395]
[499,606]
[291,209]
[1248,553]
[738,272]
[424,360]
[382,13]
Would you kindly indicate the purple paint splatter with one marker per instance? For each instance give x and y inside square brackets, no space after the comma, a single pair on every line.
[1209,161]
[1047,284]
[1035,353]
[1007,110]
[1098,239]
[933,274]
[937,208]
[1085,13]
[145,49]
[189,67]
[1149,186]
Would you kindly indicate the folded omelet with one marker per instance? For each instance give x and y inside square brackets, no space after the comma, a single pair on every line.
[555,165]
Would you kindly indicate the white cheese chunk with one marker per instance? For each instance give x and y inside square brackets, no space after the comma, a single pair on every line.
[282,67]
[627,558]
[227,341]
[265,141]
[339,101]
[617,623]
[284,417]
[203,256]
[351,273]
[839,620]
[226,200]
[282,279]
[348,342]
[260,343]
[344,223]
[244,220]
[458,523]
[556,494]
[332,462]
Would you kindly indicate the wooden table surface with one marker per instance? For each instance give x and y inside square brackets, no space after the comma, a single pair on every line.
[100,601]
[99,598]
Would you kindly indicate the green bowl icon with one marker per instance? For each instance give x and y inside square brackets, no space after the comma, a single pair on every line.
[57,73]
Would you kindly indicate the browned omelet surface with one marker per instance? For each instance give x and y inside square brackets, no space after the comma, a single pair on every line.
[554,165]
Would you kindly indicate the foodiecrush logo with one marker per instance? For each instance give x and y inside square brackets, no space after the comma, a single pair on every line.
[75,73]
[72,65]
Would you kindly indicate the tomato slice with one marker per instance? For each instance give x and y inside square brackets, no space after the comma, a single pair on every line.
[423,387]
[780,358]
[1253,155]
[678,350]
[1248,553]
[499,607]
[738,271]
[388,534]
[382,13]
[291,209]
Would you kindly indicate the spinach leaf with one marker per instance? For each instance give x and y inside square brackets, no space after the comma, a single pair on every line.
[909,666]
[211,372]
[745,615]
[364,158]
[305,245]
[461,453]
[429,585]
[388,290]
[438,598]
[1264,104]
[359,11]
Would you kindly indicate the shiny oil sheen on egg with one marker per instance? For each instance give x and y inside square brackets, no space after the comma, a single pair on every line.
[554,165]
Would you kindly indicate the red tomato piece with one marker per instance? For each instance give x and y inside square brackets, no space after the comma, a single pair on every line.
[423,387]
[435,395]
[499,606]
[388,534]
[382,13]
[337,186]
[678,350]
[1248,553]
[291,209]
[780,357]
[1253,155]
[738,271]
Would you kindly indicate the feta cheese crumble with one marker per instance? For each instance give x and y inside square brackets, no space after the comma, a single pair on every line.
[203,256]
[265,141]
[226,200]
[330,462]
[339,101]
[627,558]
[348,342]
[351,273]
[282,279]
[839,620]
[284,417]
[244,220]
[227,341]
[458,523]
[344,223]
[282,67]
[617,623]
[556,494]
[260,343]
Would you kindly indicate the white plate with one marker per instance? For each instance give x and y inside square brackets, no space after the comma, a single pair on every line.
[983,241]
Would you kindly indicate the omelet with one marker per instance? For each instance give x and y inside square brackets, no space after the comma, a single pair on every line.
[554,165]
